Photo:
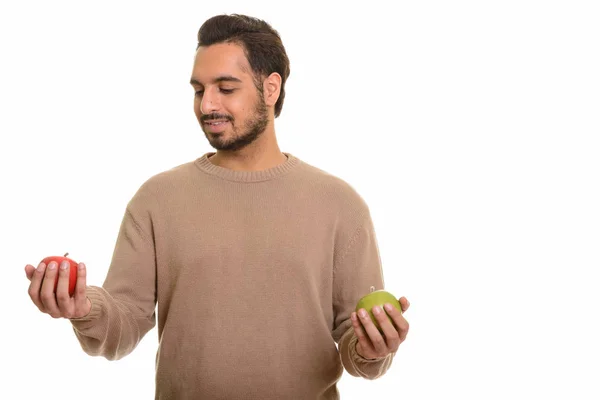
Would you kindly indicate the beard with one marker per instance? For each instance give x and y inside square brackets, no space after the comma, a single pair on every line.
[241,137]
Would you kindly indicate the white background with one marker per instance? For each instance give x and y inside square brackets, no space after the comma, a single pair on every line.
[470,127]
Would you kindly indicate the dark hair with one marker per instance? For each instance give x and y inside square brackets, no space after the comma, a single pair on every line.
[261,43]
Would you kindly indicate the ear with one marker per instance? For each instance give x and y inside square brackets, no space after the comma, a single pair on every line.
[272,88]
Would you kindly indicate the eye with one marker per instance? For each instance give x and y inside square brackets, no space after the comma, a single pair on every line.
[224,91]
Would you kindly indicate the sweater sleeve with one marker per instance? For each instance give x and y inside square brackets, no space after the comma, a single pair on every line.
[123,309]
[356,269]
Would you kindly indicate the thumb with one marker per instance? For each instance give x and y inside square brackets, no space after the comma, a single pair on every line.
[29,270]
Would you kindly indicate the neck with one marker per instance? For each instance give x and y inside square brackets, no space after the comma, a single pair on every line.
[251,158]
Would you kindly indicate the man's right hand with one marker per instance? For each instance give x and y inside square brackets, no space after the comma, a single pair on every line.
[59,305]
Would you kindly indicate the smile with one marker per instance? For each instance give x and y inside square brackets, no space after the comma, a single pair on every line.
[215,126]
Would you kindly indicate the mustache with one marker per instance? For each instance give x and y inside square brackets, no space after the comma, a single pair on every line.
[209,117]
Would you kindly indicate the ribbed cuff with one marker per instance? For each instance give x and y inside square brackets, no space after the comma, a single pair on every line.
[96,298]
[357,365]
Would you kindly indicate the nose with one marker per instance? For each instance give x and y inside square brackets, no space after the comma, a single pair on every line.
[210,102]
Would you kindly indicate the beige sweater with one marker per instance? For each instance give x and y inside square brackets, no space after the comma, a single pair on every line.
[255,275]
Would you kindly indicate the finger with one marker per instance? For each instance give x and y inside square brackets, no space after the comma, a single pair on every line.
[364,343]
[403,327]
[373,333]
[390,334]
[358,328]
[404,303]
[399,321]
[47,292]
[29,270]
[82,304]
[35,286]
[63,299]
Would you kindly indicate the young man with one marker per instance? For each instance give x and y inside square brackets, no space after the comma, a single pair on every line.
[255,259]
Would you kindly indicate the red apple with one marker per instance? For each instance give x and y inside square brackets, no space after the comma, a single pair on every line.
[72,271]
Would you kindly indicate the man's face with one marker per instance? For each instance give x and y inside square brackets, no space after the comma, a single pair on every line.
[230,109]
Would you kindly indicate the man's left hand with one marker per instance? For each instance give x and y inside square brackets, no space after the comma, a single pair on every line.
[371,343]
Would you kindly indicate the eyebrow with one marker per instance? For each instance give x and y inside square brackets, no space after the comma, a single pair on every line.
[223,78]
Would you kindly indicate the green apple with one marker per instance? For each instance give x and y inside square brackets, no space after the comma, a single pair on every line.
[377,298]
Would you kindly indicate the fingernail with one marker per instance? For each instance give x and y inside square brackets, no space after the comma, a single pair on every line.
[388,307]
[376,310]
[63,265]
[363,313]
[52,265]
[81,266]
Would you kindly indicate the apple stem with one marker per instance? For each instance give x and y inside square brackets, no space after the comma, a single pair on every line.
[66,254]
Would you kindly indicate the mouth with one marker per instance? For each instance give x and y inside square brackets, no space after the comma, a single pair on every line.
[215,122]
[215,125]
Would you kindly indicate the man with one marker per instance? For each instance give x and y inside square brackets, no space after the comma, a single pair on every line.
[255,259]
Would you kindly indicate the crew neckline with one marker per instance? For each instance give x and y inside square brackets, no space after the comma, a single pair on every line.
[204,164]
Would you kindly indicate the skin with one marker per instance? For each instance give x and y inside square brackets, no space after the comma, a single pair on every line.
[247,142]
[241,103]
[371,343]
[61,305]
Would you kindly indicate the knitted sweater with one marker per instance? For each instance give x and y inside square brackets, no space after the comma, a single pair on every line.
[251,277]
